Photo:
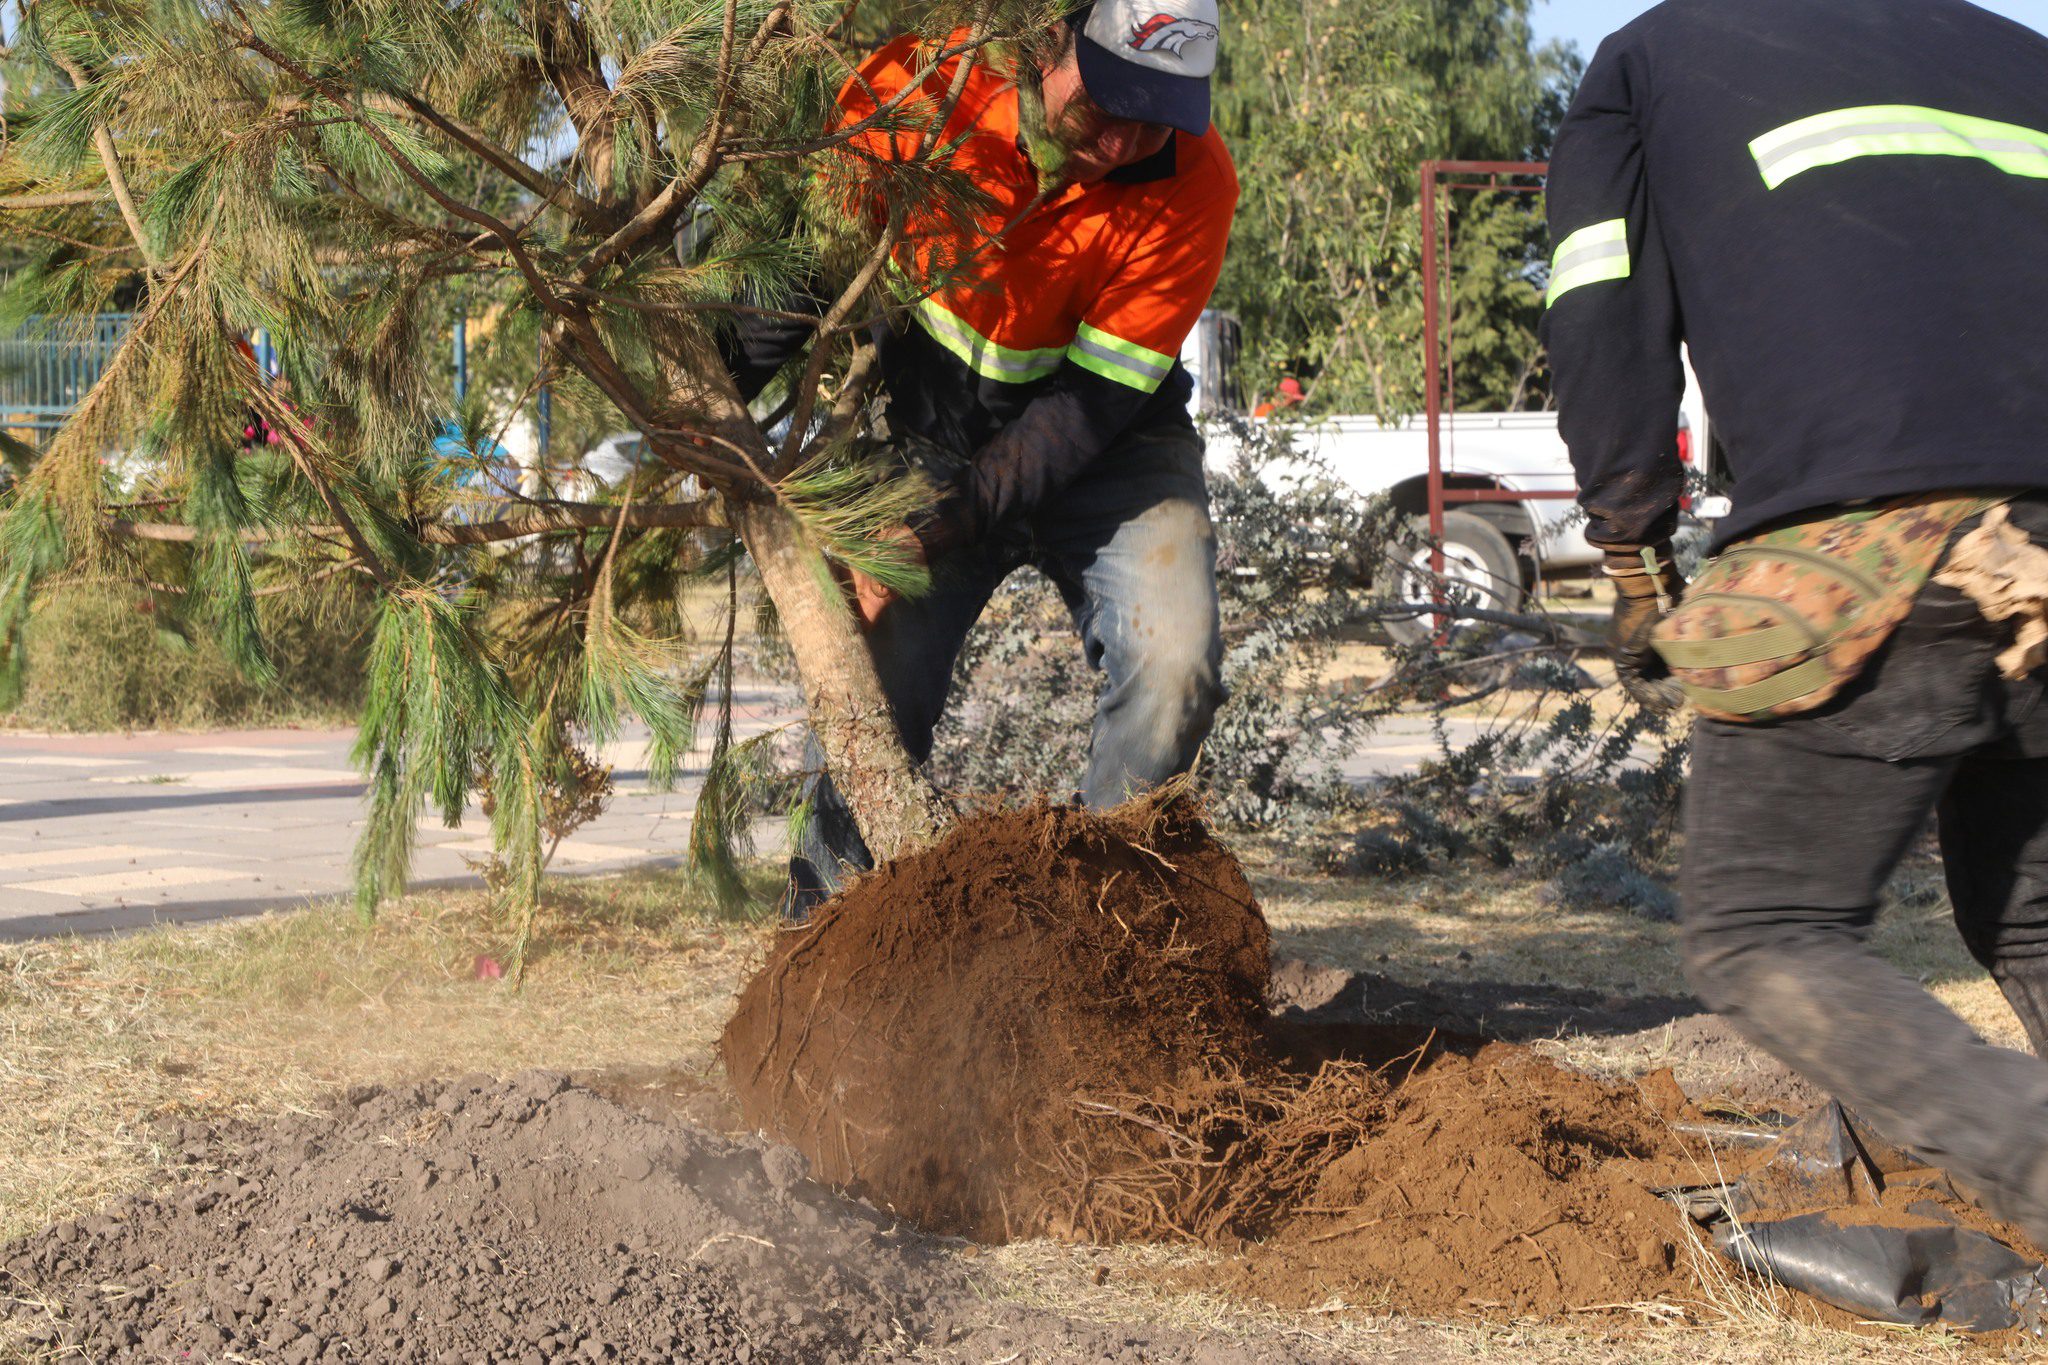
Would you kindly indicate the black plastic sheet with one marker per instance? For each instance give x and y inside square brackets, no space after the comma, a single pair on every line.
[1838,1213]
[1915,1271]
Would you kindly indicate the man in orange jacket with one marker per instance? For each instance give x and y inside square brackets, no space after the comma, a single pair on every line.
[1039,384]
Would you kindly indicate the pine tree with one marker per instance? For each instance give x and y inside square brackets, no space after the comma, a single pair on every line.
[616,181]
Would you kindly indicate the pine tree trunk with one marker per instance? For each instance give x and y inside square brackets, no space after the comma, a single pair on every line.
[894,806]
[896,809]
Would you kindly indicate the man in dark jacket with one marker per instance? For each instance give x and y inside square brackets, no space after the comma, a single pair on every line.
[1841,208]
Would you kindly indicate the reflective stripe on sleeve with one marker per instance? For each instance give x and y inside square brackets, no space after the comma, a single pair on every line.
[985,357]
[1588,256]
[1897,130]
[1126,362]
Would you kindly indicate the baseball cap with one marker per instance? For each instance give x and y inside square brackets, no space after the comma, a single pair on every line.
[1149,60]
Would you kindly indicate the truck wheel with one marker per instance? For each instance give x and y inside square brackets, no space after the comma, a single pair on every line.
[1481,569]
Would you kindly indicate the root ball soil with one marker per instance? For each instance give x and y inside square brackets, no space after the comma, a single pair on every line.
[1054,1023]
[924,1038]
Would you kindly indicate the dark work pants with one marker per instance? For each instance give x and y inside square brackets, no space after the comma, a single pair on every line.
[1793,828]
[1131,549]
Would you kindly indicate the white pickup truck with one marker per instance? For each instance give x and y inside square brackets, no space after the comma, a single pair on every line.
[1499,548]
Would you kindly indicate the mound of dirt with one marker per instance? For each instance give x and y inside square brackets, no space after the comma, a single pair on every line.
[923,1040]
[480,1221]
[1053,1022]
[522,1221]
[1490,1181]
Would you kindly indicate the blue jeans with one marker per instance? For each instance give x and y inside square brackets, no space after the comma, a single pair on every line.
[1130,547]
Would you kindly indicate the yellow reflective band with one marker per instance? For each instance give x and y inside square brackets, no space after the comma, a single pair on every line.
[1588,256]
[1897,130]
[985,357]
[1126,362]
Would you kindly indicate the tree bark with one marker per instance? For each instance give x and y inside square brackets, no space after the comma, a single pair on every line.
[896,808]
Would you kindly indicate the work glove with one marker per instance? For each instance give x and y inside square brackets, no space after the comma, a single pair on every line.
[1646,589]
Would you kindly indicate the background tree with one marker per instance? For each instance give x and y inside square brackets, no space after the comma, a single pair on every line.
[608,179]
[1329,109]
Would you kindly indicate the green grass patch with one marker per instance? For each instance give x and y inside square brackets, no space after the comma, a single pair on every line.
[100,657]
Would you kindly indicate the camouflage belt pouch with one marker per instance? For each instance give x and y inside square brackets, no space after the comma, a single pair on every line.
[1782,621]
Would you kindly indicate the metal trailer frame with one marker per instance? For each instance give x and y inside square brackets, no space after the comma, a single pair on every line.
[1440,179]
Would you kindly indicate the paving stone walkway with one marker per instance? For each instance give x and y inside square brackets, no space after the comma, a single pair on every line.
[104,832]
[110,832]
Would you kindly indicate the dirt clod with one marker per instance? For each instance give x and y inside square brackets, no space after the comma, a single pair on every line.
[924,1038]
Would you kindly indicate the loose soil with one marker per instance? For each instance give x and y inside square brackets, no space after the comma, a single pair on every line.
[529,1220]
[1055,1023]
[1052,1023]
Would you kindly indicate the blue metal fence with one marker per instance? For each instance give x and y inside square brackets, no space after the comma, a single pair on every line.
[51,364]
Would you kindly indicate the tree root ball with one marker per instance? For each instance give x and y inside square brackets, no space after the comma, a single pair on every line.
[1051,1023]
[938,1036]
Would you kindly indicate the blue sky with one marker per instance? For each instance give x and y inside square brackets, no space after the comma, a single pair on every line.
[1588,21]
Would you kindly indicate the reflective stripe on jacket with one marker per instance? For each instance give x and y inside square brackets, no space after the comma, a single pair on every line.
[1841,208]
[1041,332]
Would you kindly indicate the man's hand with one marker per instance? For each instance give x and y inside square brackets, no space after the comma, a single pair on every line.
[1646,588]
[871,595]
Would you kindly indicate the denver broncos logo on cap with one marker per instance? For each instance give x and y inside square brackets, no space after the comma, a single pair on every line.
[1171,33]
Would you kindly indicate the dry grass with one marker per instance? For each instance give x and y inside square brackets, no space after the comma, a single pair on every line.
[1730,1323]
[1414,928]
[103,1041]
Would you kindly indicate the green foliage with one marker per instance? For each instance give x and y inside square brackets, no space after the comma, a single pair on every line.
[590,186]
[439,715]
[1329,109]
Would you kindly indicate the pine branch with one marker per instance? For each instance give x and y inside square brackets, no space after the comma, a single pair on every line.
[572,66]
[566,516]
[289,426]
[705,158]
[821,346]
[56,199]
[546,518]
[110,160]
[543,294]
[504,161]
[693,306]
[884,111]
[851,400]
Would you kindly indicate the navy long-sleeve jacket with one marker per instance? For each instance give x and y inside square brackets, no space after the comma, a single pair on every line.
[1841,208]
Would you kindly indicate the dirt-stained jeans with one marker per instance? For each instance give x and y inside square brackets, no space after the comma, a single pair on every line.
[1131,549]
[1792,829]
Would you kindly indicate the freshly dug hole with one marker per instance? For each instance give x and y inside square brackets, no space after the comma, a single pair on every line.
[923,1038]
[1052,1023]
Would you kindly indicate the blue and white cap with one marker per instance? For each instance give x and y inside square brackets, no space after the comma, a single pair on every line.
[1149,60]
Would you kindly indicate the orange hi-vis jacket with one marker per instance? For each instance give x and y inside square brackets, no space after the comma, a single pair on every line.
[1050,330]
